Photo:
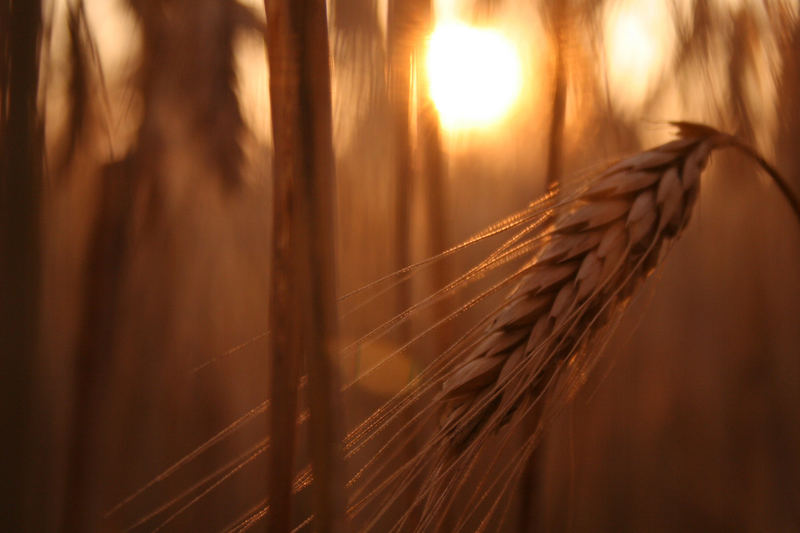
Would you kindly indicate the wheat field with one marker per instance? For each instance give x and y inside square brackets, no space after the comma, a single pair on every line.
[256,275]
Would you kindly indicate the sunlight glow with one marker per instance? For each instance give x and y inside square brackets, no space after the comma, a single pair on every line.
[475,75]
[638,40]
[632,47]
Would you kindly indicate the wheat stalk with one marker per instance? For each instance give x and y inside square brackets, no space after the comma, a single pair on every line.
[598,249]
[587,256]
[587,264]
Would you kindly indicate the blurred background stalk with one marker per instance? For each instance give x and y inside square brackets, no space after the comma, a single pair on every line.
[303,302]
[21,158]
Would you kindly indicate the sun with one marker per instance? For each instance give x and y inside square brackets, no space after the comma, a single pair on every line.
[475,75]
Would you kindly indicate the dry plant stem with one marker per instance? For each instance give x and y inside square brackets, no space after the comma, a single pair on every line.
[430,142]
[400,44]
[598,249]
[558,110]
[786,190]
[107,256]
[529,496]
[586,266]
[285,349]
[303,315]
[723,140]
[20,200]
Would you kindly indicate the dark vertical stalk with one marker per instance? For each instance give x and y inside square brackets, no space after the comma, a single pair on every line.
[402,33]
[789,106]
[20,199]
[322,320]
[5,67]
[530,495]
[303,312]
[435,197]
[107,254]
[401,41]
[435,194]
[559,106]
[105,257]
[284,309]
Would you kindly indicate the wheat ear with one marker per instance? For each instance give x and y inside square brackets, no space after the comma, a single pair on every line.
[588,255]
[598,249]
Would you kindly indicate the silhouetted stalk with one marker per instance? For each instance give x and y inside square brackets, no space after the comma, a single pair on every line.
[20,200]
[559,106]
[401,38]
[530,496]
[178,95]
[403,32]
[107,254]
[303,301]
[435,197]
[789,107]
[435,194]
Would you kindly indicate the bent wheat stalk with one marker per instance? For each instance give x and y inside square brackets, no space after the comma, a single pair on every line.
[599,249]
[536,347]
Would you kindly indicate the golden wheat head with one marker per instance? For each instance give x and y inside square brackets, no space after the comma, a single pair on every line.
[597,250]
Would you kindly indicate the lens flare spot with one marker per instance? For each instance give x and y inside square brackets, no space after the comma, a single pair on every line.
[475,75]
[639,44]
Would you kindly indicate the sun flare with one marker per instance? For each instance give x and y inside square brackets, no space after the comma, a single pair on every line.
[475,75]
[639,45]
